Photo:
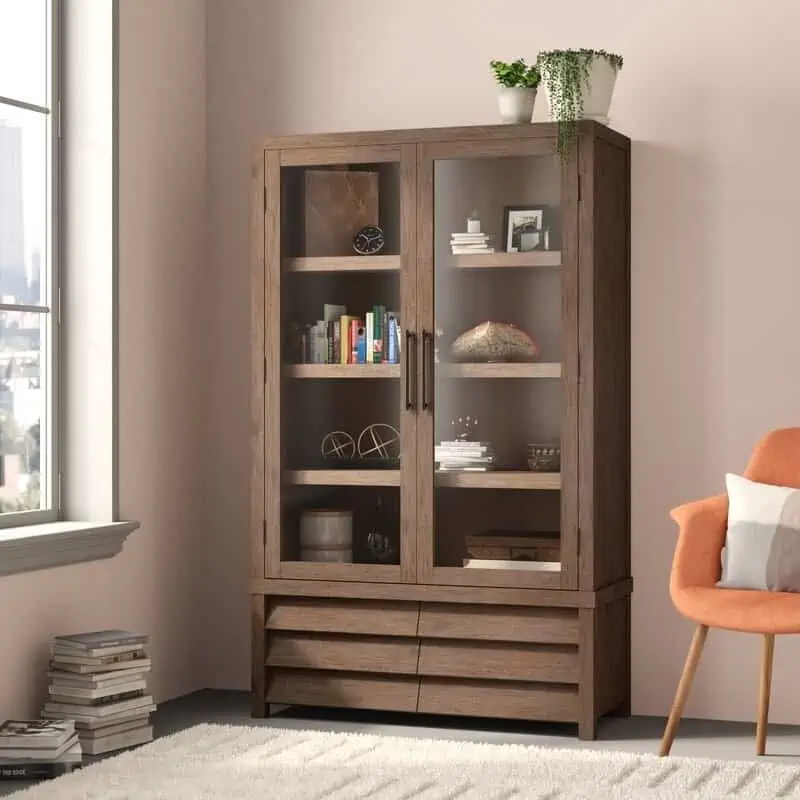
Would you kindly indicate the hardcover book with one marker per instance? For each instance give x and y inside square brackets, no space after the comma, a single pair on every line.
[98,640]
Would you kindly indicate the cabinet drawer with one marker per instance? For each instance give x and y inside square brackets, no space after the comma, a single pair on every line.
[383,618]
[499,623]
[499,699]
[500,661]
[341,690]
[335,652]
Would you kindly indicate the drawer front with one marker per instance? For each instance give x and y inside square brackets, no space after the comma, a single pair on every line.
[499,699]
[341,652]
[379,617]
[499,661]
[504,623]
[341,690]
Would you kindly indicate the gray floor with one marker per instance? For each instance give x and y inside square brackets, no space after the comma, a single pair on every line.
[698,738]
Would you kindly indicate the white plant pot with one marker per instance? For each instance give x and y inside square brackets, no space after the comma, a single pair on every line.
[596,96]
[515,104]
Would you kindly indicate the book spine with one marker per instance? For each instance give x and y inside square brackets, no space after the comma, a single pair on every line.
[344,344]
[378,356]
[354,326]
[392,352]
[370,326]
[35,771]
[337,342]
[385,332]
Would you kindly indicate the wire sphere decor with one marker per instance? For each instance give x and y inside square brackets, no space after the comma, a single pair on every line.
[339,445]
[379,440]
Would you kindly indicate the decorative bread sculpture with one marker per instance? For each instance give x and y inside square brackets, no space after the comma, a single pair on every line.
[494,341]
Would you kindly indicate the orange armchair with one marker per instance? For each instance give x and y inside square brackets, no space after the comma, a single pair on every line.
[696,568]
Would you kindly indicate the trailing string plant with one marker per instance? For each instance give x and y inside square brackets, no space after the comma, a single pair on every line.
[516,74]
[566,74]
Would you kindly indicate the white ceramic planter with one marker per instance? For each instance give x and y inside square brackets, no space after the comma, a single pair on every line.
[596,96]
[515,104]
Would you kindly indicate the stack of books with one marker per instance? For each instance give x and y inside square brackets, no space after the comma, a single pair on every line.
[465,455]
[98,680]
[34,749]
[467,244]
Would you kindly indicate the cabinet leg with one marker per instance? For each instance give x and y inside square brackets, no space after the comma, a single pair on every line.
[587,729]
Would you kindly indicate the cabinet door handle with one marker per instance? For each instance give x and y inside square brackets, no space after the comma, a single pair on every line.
[427,370]
[410,358]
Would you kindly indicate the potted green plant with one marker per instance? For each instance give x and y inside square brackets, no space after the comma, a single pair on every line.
[516,89]
[578,84]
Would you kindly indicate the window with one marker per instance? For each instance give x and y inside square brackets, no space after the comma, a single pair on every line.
[28,262]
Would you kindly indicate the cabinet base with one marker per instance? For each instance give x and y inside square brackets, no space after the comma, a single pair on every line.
[534,663]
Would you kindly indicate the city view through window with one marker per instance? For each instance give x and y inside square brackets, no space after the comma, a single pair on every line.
[26,253]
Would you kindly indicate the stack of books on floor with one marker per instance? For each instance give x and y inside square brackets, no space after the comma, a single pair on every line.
[98,679]
[35,749]
[465,455]
[467,244]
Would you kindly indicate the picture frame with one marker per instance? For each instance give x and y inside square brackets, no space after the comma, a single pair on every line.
[523,228]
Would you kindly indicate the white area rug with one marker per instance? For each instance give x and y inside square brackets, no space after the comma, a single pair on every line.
[221,761]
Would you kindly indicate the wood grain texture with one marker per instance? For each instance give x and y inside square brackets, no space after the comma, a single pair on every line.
[343,616]
[319,571]
[571,530]
[498,699]
[477,133]
[257,379]
[500,479]
[492,148]
[472,595]
[257,648]
[409,417]
[499,661]
[471,576]
[342,690]
[342,371]
[534,259]
[489,371]
[353,263]
[273,384]
[356,653]
[426,493]
[612,668]
[498,623]
[355,152]
[587,693]
[606,557]
[343,477]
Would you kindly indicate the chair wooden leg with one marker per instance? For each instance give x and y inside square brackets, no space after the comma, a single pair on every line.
[764,692]
[685,684]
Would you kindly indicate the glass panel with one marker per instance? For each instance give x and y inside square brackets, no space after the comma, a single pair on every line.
[24,205]
[497,350]
[23,401]
[24,51]
[341,317]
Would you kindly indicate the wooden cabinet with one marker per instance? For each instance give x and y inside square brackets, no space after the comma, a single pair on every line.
[455,383]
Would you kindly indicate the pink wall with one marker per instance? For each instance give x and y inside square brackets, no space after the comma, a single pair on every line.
[708,100]
[154,584]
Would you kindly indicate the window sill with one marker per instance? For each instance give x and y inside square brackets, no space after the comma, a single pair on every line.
[56,544]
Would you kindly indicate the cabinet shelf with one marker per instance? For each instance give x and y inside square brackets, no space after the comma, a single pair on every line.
[497,479]
[539,370]
[354,263]
[343,477]
[331,371]
[542,259]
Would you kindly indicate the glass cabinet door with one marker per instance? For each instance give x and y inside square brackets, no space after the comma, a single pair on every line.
[340,421]
[497,307]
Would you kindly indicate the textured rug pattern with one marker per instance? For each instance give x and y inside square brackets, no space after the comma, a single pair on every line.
[222,761]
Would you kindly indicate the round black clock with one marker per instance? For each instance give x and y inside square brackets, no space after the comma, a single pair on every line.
[369,240]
